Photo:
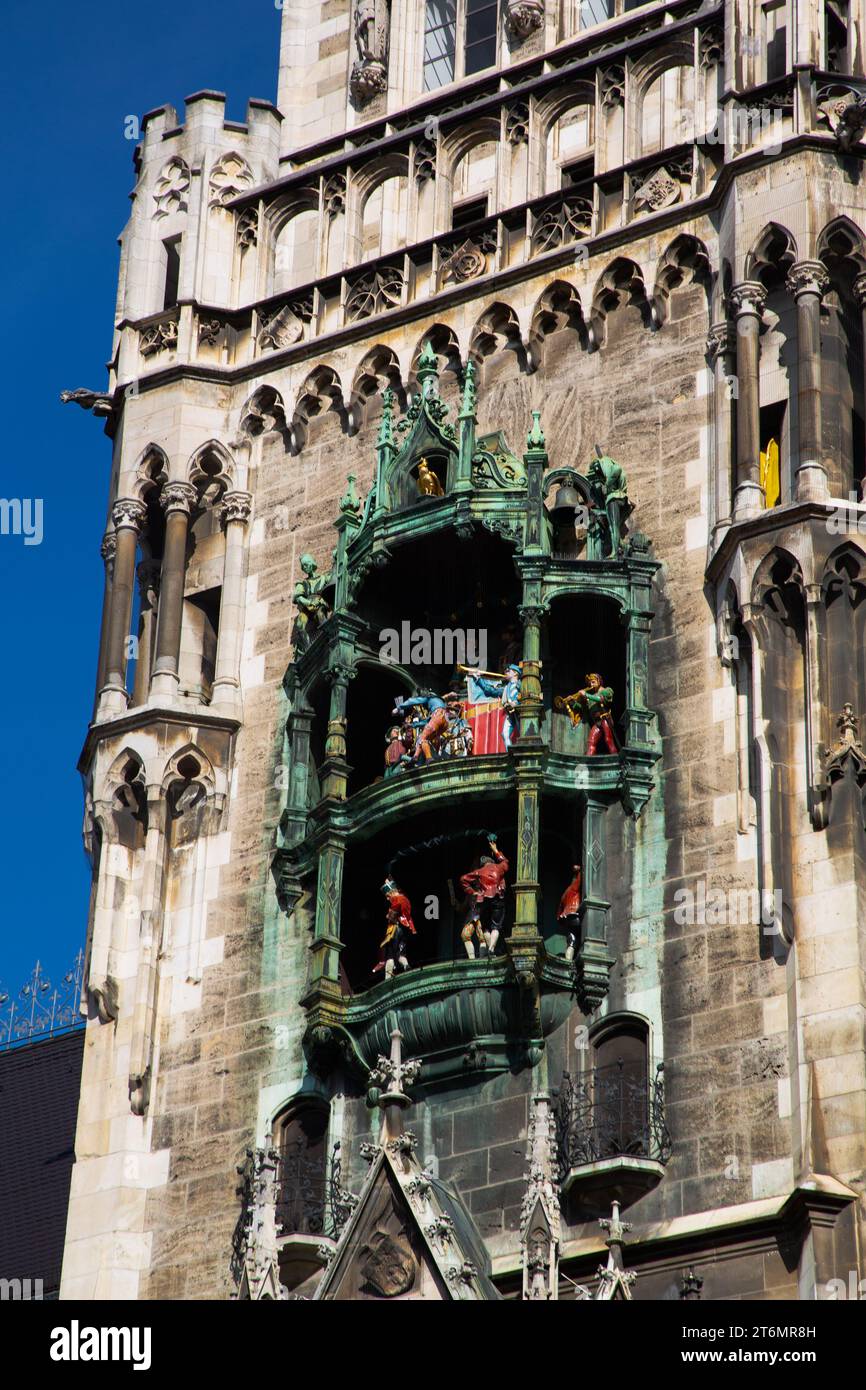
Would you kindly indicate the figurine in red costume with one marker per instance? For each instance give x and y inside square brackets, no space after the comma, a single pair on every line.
[399,923]
[485,888]
[594,705]
[569,911]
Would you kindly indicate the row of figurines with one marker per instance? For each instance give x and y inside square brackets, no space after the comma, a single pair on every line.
[483,913]
[479,715]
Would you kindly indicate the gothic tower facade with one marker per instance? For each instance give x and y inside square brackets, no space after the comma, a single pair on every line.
[524,337]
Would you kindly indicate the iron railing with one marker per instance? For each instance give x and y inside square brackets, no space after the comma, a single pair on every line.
[310,1198]
[40,1010]
[612,1112]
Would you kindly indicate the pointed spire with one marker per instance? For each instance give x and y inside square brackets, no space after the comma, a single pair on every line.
[428,370]
[470,392]
[350,502]
[535,439]
[386,423]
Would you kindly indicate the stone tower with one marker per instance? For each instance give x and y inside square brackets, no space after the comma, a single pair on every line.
[527,337]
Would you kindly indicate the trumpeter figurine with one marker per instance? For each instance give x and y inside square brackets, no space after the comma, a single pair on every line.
[593,705]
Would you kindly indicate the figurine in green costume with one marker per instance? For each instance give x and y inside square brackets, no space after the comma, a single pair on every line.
[609,488]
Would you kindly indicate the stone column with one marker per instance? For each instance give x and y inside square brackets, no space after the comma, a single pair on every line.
[593,959]
[860,296]
[747,301]
[807,282]
[128,515]
[177,500]
[107,550]
[234,515]
[148,589]
[721,348]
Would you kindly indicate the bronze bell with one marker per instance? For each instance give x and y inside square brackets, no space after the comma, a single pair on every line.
[564,503]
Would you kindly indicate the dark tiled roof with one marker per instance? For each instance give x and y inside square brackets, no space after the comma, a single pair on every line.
[39,1087]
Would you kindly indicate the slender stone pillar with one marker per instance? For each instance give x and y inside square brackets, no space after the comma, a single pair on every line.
[593,959]
[177,501]
[107,550]
[234,515]
[747,301]
[129,517]
[807,282]
[721,348]
[148,590]
[860,296]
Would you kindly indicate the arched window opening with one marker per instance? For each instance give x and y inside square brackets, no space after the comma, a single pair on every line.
[668,110]
[295,251]
[385,218]
[569,148]
[473,184]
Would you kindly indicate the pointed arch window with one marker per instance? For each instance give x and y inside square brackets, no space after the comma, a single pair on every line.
[302,1142]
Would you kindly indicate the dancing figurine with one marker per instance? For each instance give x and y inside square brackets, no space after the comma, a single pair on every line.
[568,912]
[485,889]
[592,704]
[395,750]
[430,736]
[398,920]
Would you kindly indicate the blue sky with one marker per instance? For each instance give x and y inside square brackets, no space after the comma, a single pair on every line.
[73,74]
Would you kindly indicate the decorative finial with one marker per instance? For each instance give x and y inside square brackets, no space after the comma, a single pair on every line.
[350,502]
[386,423]
[428,369]
[389,1077]
[470,391]
[535,439]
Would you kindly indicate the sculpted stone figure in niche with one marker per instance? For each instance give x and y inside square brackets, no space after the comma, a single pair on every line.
[370,71]
[311,604]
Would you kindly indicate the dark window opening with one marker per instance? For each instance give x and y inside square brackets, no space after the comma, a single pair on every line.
[473,211]
[772,424]
[439,43]
[172,271]
[836,35]
[578,173]
[775,31]
[301,1205]
[481,26]
[858,451]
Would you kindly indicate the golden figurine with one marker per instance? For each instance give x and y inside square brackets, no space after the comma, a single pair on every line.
[428,484]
